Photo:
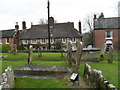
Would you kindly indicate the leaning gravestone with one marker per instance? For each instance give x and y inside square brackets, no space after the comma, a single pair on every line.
[30,54]
[101,58]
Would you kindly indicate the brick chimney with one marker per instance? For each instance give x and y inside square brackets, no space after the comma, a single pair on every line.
[80,27]
[95,16]
[51,22]
[16,26]
[24,25]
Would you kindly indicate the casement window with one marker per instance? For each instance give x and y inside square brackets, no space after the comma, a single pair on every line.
[7,40]
[108,35]
[43,41]
[73,40]
[52,40]
[0,41]
[33,41]
[64,40]
[25,41]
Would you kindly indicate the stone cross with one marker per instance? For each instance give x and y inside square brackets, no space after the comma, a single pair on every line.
[30,54]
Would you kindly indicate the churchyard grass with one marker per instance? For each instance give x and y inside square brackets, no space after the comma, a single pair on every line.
[39,83]
[109,70]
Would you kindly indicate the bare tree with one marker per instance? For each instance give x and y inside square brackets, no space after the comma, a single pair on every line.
[43,21]
[88,27]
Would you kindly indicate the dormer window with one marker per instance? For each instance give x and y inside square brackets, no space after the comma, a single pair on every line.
[109,35]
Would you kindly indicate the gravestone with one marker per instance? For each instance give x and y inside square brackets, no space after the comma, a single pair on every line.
[101,58]
[30,54]
[39,52]
[69,55]
[110,58]
[78,56]
[15,49]
[74,77]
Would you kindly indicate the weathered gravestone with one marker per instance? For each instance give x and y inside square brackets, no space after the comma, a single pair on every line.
[39,52]
[15,49]
[101,58]
[69,55]
[110,58]
[30,54]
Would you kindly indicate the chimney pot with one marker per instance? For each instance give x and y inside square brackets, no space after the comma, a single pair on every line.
[16,26]
[80,27]
[51,21]
[23,25]
[94,16]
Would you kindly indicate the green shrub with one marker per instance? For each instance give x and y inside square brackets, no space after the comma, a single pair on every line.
[6,47]
[58,44]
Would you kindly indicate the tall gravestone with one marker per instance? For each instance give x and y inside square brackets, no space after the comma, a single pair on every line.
[30,54]
[78,55]
[101,58]
[110,58]
[69,55]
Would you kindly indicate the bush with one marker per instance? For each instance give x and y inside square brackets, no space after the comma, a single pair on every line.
[6,47]
[58,44]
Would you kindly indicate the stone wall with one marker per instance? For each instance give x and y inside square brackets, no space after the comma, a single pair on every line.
[95,78]
[7,79]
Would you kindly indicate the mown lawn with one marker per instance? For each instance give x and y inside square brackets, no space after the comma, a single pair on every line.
[110,71]
[39,83]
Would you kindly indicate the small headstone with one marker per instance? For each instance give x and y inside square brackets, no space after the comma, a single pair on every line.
[74,77]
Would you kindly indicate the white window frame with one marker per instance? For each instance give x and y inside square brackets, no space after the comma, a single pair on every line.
[111,35]
[25,41]
[43,41]
[73,40]
[33,41]
[7,41]
[63,40]
[52,40]
[0,41]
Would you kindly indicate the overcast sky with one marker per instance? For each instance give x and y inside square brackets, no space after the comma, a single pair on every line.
[12,11]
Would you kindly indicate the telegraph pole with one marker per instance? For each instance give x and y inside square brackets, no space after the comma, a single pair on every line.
[48,25]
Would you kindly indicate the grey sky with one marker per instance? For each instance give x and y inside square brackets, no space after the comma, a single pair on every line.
[12,11]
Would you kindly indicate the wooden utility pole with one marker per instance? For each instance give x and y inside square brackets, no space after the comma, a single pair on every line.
[48,25]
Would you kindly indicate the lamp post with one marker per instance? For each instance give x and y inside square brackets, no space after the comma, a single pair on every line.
[48,25]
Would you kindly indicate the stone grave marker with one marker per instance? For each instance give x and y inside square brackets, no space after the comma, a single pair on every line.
[30,54]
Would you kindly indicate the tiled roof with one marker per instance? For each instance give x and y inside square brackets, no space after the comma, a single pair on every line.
[107,23]
[59,30]
[7,33]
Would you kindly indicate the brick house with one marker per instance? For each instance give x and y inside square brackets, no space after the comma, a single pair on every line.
[39,33]
[10,36]
[106,31]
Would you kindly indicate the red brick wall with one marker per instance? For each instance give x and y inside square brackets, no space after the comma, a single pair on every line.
[99,36]
[11,42]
